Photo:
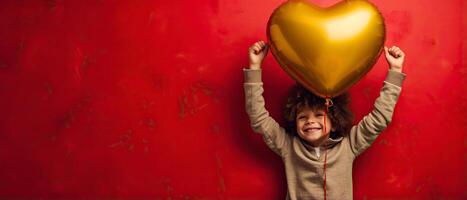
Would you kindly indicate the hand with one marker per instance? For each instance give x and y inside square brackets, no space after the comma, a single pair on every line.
[395,58]
[256,53]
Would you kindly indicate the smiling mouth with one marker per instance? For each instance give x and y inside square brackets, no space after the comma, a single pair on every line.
[311,130]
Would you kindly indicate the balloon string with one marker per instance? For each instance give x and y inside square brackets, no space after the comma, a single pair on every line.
[328,104]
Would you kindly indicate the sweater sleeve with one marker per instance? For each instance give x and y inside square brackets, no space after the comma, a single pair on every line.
[273,134]
[367,130]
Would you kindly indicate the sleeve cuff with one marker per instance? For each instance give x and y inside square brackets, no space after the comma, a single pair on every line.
[395,78]
[252,75]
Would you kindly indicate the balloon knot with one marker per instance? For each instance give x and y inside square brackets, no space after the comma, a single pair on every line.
[328,103]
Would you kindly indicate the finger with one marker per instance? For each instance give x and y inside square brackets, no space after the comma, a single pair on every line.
[386,51]
[257,49]
[257,46]
[402,54]
[252,46]
[252,49]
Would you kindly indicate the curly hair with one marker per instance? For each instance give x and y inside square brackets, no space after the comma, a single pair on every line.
[339,113]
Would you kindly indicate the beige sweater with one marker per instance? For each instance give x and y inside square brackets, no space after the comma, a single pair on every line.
[303,168]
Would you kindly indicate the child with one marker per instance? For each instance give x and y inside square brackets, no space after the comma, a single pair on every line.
[318,148]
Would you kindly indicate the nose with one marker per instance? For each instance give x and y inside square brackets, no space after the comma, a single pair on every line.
[310,120]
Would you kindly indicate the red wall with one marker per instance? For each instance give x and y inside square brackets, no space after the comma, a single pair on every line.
[143,100]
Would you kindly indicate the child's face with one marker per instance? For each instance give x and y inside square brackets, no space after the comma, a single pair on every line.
[310,126]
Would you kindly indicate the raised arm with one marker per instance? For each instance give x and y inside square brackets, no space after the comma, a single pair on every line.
[367,130]
[260,120]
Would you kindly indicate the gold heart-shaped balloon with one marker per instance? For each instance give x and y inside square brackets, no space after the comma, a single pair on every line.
[327,50]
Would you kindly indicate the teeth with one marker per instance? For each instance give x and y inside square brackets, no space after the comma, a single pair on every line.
[311,129]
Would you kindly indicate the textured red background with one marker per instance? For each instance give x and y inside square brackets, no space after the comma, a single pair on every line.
[143,100]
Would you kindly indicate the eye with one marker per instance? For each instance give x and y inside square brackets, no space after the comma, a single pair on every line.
[301,117]
[319,114]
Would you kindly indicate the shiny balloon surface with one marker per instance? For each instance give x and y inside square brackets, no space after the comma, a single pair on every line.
[326,49]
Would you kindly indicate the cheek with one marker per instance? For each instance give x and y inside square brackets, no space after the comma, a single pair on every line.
[298,125]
